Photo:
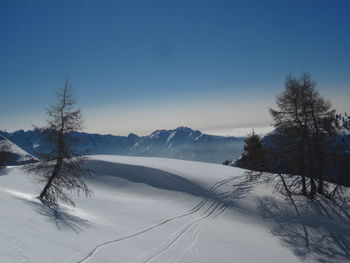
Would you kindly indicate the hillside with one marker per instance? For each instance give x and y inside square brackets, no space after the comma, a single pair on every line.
[17,155]
[180,143]
[165,210]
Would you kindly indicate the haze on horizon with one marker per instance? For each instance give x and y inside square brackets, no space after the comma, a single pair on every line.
[138,66]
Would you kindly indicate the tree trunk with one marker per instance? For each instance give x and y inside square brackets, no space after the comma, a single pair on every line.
[313,188]
[52,177]
[57,168]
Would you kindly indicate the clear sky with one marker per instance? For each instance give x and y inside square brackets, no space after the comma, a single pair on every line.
[142,65]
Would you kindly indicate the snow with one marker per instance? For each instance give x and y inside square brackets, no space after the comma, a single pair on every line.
[155,134]
[21,155]
[209,148]
[197,138]
[14,148]
[170,137]
[147,210]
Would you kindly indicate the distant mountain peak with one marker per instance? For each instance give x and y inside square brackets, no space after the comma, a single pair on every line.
[178,129]
[183,128]
[132,135]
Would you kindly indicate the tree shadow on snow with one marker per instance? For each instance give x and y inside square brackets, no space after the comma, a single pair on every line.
[168,181]
[61,217]
[3,170]
[150,176]
[313,229]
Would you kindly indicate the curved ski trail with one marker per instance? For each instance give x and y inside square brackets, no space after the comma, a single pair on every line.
[195,209]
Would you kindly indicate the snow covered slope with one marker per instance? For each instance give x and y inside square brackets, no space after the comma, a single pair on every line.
[17,155]
[164,210]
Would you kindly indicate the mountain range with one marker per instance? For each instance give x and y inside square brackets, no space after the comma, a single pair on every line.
[180,143]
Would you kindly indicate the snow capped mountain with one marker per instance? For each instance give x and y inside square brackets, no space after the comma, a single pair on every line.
[16,154]
[179,143]
[179,135]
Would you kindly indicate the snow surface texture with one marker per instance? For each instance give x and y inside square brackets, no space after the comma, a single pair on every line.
[165,210]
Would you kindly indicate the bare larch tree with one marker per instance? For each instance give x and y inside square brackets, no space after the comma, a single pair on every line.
[61,169]
[303,124]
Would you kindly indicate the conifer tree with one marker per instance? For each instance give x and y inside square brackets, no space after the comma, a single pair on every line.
[61,169]
[253,157]
[303,124]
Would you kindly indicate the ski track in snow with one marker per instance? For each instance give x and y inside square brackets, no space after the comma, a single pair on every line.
[183,232]
[214,210]
[205,215]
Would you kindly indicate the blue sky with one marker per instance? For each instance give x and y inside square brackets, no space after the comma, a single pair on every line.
[137,66]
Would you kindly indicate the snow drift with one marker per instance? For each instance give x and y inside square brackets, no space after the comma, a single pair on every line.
[165,210]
